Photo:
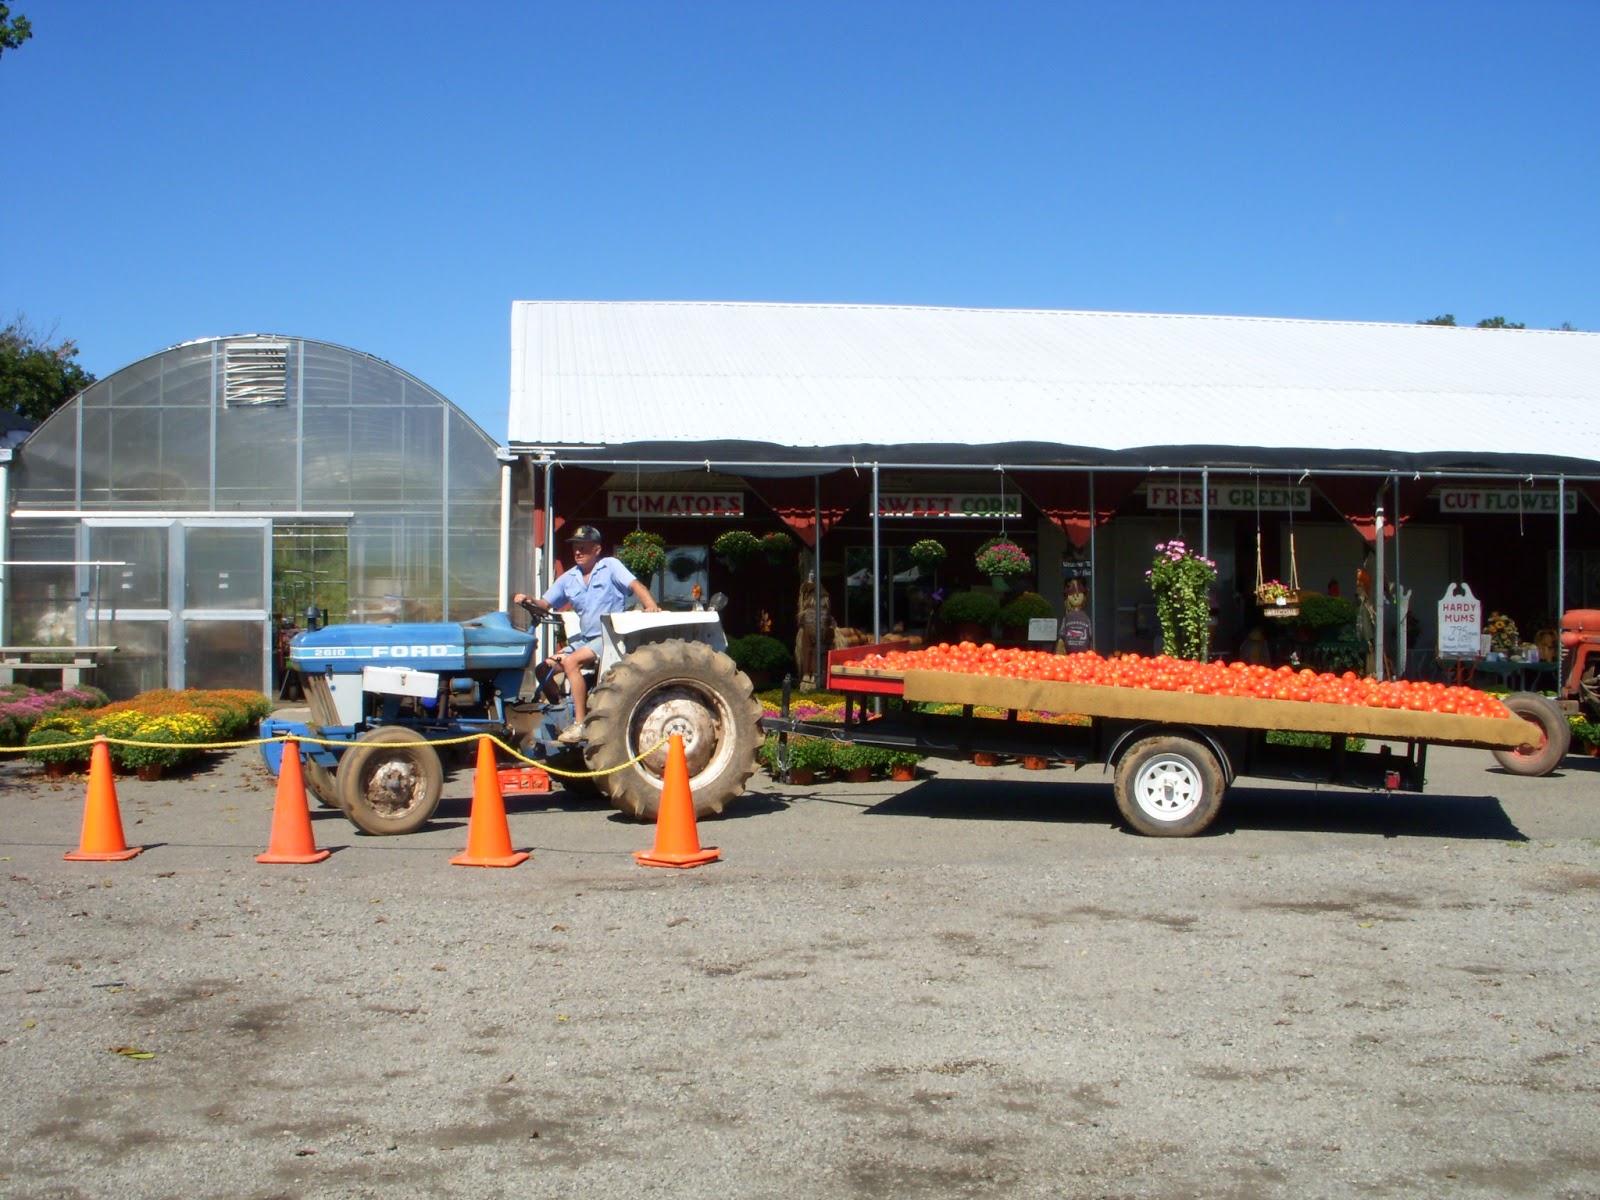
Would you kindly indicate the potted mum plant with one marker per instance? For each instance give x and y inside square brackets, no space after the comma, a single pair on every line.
[807,757]
[971,615]
[1015,615]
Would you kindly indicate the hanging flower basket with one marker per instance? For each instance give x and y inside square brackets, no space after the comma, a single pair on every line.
[1004,560]
[1278,600]
[643,553]
[735,546]
[927,553]
[777,547]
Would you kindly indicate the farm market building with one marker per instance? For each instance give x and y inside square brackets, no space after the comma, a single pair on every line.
[1086,437]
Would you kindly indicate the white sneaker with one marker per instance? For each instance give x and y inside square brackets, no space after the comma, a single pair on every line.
[570,735]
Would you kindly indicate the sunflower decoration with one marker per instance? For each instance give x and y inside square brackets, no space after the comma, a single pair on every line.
[1503,635]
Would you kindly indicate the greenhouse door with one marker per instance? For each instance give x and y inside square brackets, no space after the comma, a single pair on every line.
[187,608]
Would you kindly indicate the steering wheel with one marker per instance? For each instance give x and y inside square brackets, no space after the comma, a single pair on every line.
[539,616]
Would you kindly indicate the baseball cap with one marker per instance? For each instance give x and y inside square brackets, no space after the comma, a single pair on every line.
[585,533]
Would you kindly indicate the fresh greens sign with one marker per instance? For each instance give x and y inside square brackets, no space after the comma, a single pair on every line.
[1229,497]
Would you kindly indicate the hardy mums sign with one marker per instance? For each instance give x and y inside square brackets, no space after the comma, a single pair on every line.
[1460,622]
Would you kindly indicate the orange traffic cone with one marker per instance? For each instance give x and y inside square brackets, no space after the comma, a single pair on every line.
[488,835]
[677,841]
[291,840]
[101,840]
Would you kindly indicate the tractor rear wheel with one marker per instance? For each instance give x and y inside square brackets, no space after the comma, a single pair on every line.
[664,688]
[390,781]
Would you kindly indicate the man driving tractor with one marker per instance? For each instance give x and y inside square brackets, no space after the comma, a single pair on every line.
[594,586]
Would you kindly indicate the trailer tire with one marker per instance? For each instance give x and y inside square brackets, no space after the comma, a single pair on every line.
[390,781]
[1553,745]
[1169,787]
[672,687]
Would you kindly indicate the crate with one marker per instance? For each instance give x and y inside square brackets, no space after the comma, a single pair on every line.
[520,781]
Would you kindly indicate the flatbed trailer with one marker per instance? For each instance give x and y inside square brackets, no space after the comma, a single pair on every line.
[1172,754]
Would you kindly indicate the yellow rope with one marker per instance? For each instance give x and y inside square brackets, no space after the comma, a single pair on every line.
[455,741]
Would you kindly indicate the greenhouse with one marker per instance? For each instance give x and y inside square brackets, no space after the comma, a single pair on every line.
[197,508]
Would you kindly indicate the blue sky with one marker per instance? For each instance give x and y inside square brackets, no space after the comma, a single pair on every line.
[391,176]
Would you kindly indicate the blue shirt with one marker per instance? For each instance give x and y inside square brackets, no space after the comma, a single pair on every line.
[610,584]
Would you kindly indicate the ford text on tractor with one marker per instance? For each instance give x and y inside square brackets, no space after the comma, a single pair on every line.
[382,695]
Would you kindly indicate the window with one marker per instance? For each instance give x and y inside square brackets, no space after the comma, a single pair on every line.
[255,372]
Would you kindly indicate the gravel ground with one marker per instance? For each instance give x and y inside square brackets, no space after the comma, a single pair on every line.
[974,984]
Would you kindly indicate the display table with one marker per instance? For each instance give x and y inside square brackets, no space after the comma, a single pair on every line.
[71,661]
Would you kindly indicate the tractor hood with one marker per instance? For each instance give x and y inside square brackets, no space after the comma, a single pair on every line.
[487,643]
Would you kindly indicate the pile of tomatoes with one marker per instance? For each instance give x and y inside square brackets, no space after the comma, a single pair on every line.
[1165,674]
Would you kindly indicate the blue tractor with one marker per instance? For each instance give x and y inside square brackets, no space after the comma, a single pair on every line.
[383,694]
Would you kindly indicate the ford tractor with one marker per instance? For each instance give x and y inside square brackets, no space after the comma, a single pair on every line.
[382,695]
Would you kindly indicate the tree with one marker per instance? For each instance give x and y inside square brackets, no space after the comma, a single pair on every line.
[13,30]
[1486,323]
[37,374]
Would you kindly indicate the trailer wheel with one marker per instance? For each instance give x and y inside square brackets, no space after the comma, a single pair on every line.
[665,688]
[1169,787]
[390,781]
[1554,741]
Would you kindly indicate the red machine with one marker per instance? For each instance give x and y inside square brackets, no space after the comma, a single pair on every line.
[1580,640]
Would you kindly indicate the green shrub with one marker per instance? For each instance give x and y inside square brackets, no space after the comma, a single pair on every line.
[928,553]
[46,746]
[1025,608]
[1325,612]
[758,652]
[970,608]
[1315,741]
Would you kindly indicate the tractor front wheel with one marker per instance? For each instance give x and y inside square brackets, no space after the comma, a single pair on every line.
[390,781]
[666,688]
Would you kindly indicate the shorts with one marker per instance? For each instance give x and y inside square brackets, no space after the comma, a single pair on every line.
[578,643]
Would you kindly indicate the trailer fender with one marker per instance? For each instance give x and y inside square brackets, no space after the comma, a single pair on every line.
[1134,734]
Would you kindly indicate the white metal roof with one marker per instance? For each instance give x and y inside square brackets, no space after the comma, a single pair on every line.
[801,380]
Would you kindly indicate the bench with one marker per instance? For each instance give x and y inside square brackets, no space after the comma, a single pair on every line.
[70,661]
